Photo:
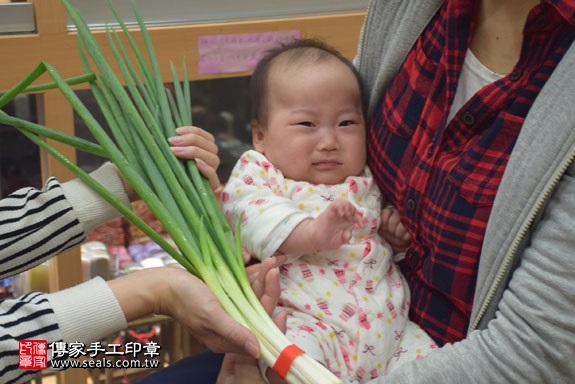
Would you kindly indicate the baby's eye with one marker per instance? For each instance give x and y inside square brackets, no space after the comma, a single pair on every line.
[345,123]
[306,123]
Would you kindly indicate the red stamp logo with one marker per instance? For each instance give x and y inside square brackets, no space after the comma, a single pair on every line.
[33,354]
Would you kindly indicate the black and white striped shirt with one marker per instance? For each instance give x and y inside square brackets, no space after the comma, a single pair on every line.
[34,226]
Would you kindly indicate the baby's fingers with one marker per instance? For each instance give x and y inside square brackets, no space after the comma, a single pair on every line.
[359,219]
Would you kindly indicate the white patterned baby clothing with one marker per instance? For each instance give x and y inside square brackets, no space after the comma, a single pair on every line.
[347,308]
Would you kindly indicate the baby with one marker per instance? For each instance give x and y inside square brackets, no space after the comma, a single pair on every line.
[305,191]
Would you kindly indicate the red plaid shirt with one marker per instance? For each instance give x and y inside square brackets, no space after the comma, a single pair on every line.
[443,178]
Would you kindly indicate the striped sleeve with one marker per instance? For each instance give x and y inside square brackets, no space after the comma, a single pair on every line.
[34,226]
[38,224]
[30,317]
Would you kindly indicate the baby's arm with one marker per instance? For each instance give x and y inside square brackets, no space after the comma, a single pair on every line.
[393,231]
[330,230]
[254,197]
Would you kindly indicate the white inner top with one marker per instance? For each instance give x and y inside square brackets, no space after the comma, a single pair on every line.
[473,77]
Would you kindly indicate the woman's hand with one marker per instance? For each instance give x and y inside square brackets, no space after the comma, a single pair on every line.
[393,231]
[175,292]
[196,143]
[191,143]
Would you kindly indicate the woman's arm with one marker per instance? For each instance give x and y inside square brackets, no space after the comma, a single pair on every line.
[531,338]
[36,225]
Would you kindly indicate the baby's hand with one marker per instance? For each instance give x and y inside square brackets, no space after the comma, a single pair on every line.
[393,231]
[332,228]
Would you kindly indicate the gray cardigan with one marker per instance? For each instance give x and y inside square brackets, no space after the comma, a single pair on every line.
[523,321]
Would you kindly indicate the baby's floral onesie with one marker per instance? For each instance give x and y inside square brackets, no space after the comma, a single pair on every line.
[347,308]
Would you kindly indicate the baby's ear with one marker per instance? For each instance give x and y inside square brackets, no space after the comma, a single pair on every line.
[258,134]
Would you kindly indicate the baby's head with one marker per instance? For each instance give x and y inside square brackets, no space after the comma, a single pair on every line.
[308,112]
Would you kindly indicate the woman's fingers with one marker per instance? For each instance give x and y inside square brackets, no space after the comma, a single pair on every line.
[195,143]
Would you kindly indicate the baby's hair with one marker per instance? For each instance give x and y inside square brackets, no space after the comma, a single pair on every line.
[293,52]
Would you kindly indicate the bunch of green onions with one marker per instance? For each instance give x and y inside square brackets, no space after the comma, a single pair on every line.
[141,117]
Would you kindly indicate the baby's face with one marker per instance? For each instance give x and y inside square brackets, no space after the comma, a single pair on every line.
[315,129]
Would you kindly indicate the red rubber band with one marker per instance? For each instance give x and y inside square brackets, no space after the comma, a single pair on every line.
[285,360]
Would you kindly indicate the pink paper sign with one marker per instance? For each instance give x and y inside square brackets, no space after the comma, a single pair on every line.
[237,52]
